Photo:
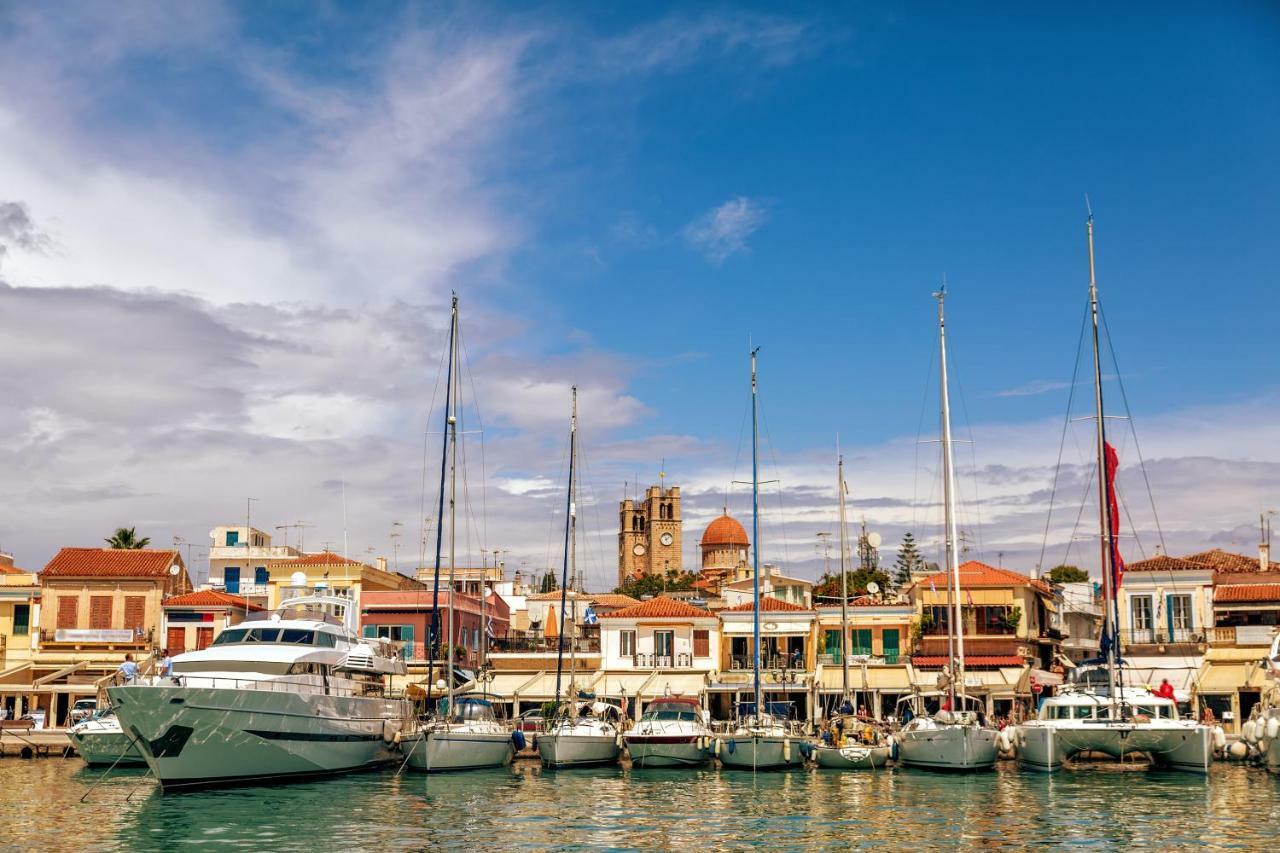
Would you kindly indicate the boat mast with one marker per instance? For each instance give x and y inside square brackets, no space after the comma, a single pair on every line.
[844,579]
[755,537]
[453,525]
[434,639]
[1107,537]
[952,535]
[574,582]
[564,572]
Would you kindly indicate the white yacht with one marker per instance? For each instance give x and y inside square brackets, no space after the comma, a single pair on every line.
[673,731]
[767,740]
[1083,718]
[101,742]
[465,736]
[946,739]
[592,735]
[298,694]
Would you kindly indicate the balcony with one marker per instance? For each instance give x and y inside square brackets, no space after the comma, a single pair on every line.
[684,660]
[1154,637]
[584,645]
[1241,635]
[743,662]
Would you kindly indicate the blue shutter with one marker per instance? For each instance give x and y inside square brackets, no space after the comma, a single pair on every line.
[406,634]
[261,575]
[1168,615]
[231,579]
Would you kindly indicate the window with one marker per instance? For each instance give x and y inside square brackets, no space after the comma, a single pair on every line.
[135,612]
[1180,621]
[701,643]
[1140,618]
[231,579]
[100,611]
[627,644]
[68,611]
[233,538]
[889,643]
[989,619]
[261,576]
[21,619]
[861,644]
[664,645]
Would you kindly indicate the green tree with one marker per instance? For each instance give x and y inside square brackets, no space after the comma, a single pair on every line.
[657,584]
[1068,574]
[548,582]
[127,538]
[909,560]
[829,584]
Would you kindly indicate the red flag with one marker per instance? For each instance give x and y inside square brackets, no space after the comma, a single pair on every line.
[1113,509]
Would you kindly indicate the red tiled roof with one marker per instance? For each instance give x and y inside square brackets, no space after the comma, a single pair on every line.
[767,604]
[613,599]
[1165,563]
[324,558]
[111,562]
[725,530]
[210,598]
[11,570]
[661,607]
[1247,592]
[1224,561]
[969,660]
[975,574]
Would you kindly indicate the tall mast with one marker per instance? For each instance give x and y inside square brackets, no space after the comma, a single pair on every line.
[1107,537]
[453,524]
[949,504]
[755,536]
[844,579]
[434,639]
[564,576]
[574,582]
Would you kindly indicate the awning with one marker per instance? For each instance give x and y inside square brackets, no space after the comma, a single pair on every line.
[1149,671]
[1045,679]
[1049,605]
[877,678]
[1232,676]
[937,661]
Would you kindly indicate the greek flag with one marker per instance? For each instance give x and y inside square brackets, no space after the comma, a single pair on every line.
[589,618]
[488,629]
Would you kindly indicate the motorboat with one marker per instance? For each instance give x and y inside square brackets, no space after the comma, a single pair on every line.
[849,742]
[101,742]
[465,736]
[587,732]
[298,694]
[946,739]
[763,740]
[673,731]
[1085,720]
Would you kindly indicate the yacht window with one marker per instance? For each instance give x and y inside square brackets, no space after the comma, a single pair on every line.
[229,636]
[297,635]
[1083,712]
[324,638]
[263,635]
[670,711]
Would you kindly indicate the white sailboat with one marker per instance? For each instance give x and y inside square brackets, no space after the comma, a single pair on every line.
[850,743]
[464,733]
[580,732]
[1095,714]
[952,738]
[761,738]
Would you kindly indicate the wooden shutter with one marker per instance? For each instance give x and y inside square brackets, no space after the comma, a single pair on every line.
[68,610]
[204,636]
[100,611]
[176,640]
[135,612]
[701,643]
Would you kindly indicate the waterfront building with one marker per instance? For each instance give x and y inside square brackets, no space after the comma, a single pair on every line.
[193,620]
[404,616]
[1166,611]
[241,560]
[773,583]
[1246,612]
[19,613]
[879,654]
[1008,620]
[650,540]
[323,570]
[726,553]
[1081,607]
[654,648]
[787,647]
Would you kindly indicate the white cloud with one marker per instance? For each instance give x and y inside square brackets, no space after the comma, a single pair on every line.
[1033,388]
[723,231]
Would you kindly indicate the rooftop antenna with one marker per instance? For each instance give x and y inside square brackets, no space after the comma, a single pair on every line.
[344,517]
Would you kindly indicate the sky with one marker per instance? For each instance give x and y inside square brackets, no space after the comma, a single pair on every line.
[229,234]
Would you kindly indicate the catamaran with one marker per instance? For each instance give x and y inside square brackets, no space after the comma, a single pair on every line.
[1095,713]
[954,736]
[298,694]
[760,738]
[582,730]
[848,742]
[463,733]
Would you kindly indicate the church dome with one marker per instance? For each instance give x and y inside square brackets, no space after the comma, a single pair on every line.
[725,531]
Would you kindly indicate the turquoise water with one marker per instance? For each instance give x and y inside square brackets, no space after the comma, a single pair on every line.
[524,808]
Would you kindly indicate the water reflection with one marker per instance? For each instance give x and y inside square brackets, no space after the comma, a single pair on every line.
[524,807]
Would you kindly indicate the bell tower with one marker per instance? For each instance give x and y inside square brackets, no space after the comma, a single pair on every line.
[649,534]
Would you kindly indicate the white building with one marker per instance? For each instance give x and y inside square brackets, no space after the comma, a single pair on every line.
[657,647]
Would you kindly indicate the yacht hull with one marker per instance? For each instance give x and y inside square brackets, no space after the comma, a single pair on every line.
[668,750]
[851,757]
[1174,746]
[948,747]
[438,751]
[558,749]
[760,752]
[198,737]
[105,747]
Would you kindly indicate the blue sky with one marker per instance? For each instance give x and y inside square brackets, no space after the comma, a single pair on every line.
[279,199]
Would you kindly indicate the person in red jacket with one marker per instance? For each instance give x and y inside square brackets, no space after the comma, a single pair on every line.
[1165,690]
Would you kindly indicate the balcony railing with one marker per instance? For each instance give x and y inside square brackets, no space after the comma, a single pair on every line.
[1242,635]
[774,662]
[1153,636]
[832,658]
[684,660]
[588,645]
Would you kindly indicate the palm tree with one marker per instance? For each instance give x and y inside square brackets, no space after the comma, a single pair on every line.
[127,537]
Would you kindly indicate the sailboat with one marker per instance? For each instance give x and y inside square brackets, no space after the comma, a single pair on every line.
[760,738]
[1095,713]
[953,737]
[582,731]
[463,733]
[851,744]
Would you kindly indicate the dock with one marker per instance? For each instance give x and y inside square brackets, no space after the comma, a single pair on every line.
[35,743]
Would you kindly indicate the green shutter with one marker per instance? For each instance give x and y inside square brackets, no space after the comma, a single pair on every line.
[889,643]
[371,631]
[21,619]
[406,634]
[861,641]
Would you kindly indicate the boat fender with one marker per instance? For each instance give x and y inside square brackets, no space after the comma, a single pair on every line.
[806,750]
[398,738]
[1006,743]
[731,746]
[618,741]
[1238,750]
[1247,731]
[716,748]
[1219,738]
[786,749]
[893,748]
[517,738]
[389,735]
[1273,727]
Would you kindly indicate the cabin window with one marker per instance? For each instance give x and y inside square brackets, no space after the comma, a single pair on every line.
[627,643]
[229,636]
[324,638]
[297,635]
[263,635]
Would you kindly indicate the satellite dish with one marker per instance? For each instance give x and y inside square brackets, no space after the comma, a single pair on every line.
[873,587]
[298,579]
[873,539]
[173,570]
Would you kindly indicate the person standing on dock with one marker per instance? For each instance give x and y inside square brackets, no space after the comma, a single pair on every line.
[128,670]
[166,665]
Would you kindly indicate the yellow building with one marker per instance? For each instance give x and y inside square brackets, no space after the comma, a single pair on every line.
[19,612]
[332,571]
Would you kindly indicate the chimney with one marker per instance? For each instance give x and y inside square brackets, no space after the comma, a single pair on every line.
[382,564]
[1264,556]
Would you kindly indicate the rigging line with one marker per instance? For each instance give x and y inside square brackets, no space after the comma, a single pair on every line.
[1124,398]
[915,484]
[555,511]
[737,457]
[777,471]
[1062,442]
[968,424]
[426,442]
[475,405]
[1088,487]
[1133,527]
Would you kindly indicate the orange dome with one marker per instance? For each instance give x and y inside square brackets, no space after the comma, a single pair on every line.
[725,531]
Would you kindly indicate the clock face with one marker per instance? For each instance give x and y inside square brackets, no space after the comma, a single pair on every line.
[638,550]
[666,539]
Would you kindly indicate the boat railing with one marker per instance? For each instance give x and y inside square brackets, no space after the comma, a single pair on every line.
[276,685]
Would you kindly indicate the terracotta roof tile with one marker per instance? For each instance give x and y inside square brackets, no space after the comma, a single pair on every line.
[1165,563]
[210,598]
[1224,561]
[976,574]
[767,604]
[969,660]
[111,562]
[613,599]
[324,558]
[11,570]
[661,607]
[1248,592]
